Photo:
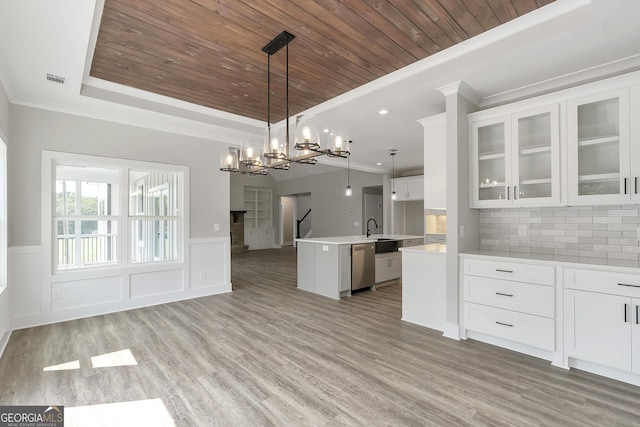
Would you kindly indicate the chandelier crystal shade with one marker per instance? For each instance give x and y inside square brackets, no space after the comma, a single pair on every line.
[255,158]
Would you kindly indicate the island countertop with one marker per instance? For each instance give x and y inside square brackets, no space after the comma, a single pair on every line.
[432,248]
[352,240]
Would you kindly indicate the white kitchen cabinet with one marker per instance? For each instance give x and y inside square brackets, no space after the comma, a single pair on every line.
[345,268]
[596,330]
[259,238]
[600,167]
[516,158]
[435,161]
[408,188]
[602,318]
[388,266]
[511,301]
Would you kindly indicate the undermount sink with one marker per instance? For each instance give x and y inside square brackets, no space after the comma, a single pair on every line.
[384,245]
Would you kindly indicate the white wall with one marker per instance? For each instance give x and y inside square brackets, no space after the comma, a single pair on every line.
[5,314]
[206,268]
[333,213]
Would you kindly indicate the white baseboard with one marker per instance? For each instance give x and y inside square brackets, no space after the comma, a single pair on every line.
[614,374]
[452,331]
[4,340]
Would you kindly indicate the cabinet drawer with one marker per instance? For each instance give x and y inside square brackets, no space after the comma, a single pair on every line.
[509,295]
[522,328]
[603,281]
[539,274]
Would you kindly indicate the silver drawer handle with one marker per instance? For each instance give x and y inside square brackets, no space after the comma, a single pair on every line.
[504,295]
[631,286]
[504,324]
[504,271]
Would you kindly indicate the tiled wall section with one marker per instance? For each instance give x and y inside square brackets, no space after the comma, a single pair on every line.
[584,231]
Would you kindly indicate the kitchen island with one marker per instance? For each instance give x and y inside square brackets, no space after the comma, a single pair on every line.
[324,263]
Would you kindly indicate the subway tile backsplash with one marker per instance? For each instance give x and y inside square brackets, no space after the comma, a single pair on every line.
[583,231]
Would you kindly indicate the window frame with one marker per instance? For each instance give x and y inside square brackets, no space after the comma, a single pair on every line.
[123,218]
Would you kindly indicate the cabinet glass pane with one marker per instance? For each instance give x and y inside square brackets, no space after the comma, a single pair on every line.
[599,147]
[534,156]
[491,158]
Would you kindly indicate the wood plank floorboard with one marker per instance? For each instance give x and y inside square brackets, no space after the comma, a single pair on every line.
[270,354]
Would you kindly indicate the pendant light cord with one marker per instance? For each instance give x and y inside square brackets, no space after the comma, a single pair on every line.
[269,99]
[287,97]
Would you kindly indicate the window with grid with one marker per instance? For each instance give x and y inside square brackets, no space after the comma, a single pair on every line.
[115,214]
[155,215]
[86,217]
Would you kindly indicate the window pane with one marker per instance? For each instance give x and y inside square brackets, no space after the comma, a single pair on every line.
[65,197]
[96,243]
[154,240]
[155,193]
[96,198]
[97,188]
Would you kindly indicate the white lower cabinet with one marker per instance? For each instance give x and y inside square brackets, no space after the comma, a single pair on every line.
[602,318]
[596,329]
[388,266]
[259,238]
[510,301]
[519,327]
[586,316]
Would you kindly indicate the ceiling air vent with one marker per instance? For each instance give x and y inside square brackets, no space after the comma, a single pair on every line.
[56,79]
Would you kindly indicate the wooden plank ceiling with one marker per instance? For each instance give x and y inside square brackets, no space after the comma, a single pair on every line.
[208,52]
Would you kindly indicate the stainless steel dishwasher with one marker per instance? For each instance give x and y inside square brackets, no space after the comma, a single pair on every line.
[363,266]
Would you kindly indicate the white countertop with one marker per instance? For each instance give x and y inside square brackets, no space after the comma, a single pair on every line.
[352,240]
[432,248]
[555,259]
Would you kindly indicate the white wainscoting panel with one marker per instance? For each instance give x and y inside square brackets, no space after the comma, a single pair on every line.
[209,263]
[156,283]
[24,280]
[86,292]
[5,319]
[38,298]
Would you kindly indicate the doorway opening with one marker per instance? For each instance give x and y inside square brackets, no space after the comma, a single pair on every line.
[372,202]
[295,218]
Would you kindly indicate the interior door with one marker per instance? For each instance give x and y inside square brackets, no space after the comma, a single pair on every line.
[373,209]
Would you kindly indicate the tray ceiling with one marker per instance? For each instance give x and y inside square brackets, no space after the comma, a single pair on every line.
[208,52]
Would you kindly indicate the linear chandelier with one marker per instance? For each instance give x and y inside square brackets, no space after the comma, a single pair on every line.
[275,152]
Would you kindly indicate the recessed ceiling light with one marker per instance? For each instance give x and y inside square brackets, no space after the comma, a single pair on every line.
[383,112]
[325,130]
[379,164]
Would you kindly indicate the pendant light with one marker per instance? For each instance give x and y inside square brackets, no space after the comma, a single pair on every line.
[275,153]
[393,174]
[348,191]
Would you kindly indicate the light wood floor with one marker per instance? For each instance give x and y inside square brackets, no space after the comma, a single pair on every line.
[268,354]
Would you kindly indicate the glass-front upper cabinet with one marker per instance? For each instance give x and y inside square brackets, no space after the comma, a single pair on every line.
[515,159]
[490,142]
[536,170]
[599,168]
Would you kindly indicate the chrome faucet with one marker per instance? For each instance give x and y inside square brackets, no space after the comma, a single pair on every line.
[374,221]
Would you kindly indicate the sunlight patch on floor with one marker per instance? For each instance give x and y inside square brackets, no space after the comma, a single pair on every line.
[107,360]
[117,358]
[137,413]
[75,364]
